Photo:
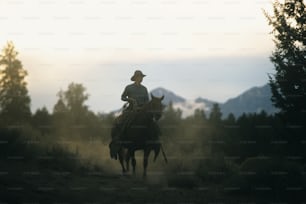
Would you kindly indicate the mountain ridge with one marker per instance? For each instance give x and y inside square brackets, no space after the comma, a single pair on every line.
[252,100]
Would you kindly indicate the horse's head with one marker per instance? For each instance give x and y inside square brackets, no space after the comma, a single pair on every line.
[156,107]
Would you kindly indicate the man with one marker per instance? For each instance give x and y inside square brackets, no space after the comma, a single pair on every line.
[135,93]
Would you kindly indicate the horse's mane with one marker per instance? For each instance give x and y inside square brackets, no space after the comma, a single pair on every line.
[145,106]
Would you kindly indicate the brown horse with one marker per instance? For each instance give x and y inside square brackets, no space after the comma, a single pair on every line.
[141,134]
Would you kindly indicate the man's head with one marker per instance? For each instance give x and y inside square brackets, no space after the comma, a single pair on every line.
[138,76]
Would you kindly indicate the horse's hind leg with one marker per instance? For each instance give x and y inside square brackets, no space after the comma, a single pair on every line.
[121,159]
[145,162]
[132,156]
[127,159]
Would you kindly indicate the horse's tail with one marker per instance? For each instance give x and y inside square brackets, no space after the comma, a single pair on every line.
[165,157]
[114,145]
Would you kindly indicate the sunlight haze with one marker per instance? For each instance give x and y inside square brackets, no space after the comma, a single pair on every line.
[212,49]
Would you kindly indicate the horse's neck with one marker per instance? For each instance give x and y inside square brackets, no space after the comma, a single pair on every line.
[146,107]
[146,110]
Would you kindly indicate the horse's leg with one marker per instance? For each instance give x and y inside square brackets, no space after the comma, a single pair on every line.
[145,161]
[126,158]
[127,161]
[132,156]
[121,159]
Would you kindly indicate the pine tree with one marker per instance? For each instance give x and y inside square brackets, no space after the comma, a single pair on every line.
[215,114]
[199,114]
[288,85]
[14,98]
[60,107]
[41,120]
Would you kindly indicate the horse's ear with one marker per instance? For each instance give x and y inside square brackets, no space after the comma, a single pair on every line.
[162,98]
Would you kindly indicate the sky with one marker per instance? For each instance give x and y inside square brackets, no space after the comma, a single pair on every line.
[195,48]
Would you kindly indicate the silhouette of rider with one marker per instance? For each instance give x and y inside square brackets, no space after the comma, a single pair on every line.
[135,93]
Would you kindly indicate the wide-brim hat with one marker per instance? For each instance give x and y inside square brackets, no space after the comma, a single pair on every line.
[137,73]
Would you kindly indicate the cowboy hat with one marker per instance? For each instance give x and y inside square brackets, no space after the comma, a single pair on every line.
[137,73]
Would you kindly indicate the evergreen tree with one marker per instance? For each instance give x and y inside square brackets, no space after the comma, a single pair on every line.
[41,119]
[171,114]
[14,98]
[230,120]
[60,107]
[199,115]
[215,114]
[288,85]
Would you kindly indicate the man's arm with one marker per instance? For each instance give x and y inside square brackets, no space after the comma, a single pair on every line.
[147,95]
[124,95]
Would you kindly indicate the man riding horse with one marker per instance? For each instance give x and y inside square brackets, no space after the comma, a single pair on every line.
[137,96]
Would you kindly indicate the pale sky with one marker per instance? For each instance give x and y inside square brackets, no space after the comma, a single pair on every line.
[196,48]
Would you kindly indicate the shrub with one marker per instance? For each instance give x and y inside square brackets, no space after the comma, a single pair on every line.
[215,169]
[271,177]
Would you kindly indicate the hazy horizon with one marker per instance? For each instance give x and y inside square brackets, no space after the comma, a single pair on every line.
[210,49]
[190,79]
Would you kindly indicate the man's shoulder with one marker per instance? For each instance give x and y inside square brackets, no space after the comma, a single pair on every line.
[129,86]
[142,86]
[134,86]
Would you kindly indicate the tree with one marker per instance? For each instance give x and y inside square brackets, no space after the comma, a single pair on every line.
[199,115]
[75,97]
[230,120]
[215,114]
[14,98]
[288,85]
[41,119]
[60,106]
[72,101]
[171,114]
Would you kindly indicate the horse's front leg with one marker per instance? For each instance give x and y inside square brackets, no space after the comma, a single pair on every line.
[121,159]
[145,162]
[127,161]
[132,156]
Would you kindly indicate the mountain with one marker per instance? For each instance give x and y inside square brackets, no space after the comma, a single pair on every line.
[253,100]
[169,96]
[186,106]
[208,103]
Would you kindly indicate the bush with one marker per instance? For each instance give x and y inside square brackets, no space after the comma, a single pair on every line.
[215,169]
[272,177]
[25,143]
[182,181]
[181,176]
[275,173]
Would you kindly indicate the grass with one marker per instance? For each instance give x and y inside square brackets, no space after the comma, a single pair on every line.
[36,172]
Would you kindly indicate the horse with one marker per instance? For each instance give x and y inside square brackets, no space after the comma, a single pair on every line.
[141,134]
